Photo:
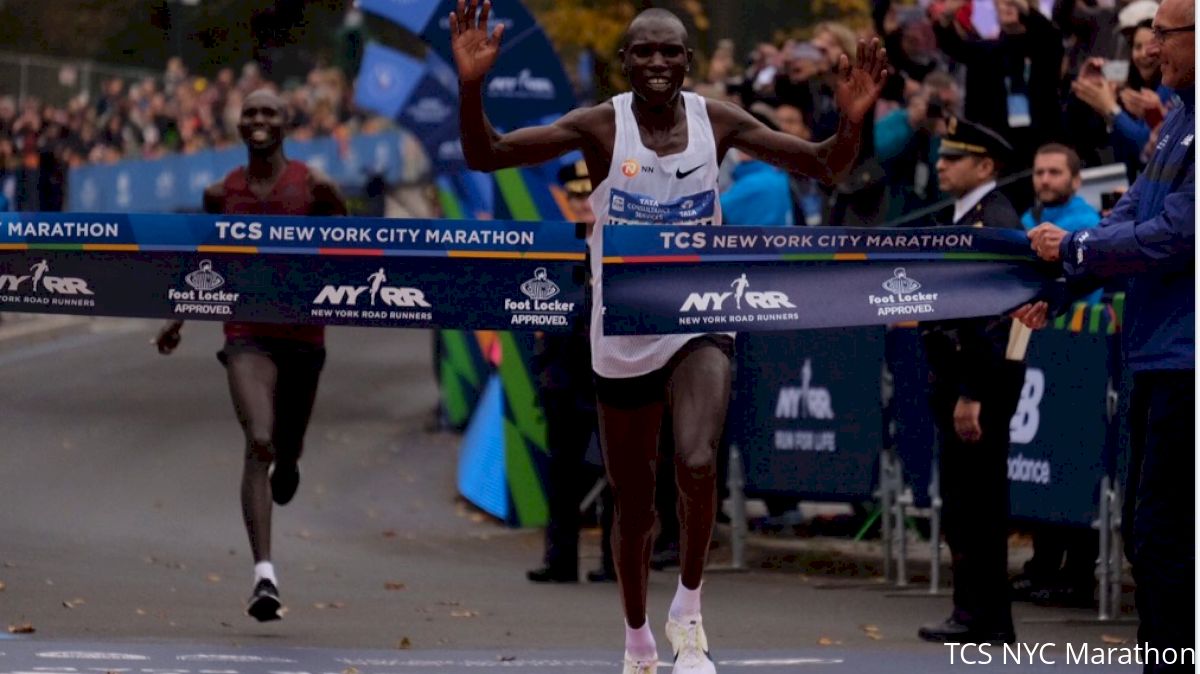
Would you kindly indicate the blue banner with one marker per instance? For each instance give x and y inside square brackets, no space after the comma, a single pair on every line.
[806,413]
[661,280]
[386,80]
[336,271]
[528,81]
[1060,436]
[432,115]
[177,182]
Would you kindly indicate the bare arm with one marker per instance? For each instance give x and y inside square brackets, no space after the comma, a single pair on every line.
[786,151]
[327,197]
[487,150]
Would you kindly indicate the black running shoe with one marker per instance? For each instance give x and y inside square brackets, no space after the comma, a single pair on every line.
[264,602]
[285,477]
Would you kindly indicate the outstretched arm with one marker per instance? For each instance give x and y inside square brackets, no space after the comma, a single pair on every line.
[485,149]
[858,89]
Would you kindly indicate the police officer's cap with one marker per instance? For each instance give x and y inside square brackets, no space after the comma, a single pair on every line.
[574,179]
[968,139]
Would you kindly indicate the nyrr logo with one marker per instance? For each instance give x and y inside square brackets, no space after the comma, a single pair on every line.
[524,85]
[203,296]
[742,299]
[804,401]
[430,110]
[39,281]
[376,292]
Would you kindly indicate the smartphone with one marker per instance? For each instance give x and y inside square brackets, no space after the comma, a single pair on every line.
[1108,200]
[1116,71]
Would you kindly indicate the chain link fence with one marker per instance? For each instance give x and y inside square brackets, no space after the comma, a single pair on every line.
[56,81]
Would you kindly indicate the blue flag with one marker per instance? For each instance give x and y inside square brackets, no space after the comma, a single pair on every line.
[386,80]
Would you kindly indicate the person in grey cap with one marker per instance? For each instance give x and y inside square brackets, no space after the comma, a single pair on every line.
[974,390]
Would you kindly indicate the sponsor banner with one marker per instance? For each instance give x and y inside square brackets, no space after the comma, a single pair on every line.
[806,413]
[1059,432]
[528,82]
[290,234]
[330,271]
[661,280]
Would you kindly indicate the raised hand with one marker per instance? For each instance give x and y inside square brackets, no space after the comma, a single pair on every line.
[858,86]
[475,51]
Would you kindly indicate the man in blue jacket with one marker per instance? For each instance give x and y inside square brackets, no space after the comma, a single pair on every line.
[1056,179]
[1149,240]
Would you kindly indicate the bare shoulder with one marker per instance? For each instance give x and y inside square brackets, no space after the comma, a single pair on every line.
[327,196]
[591,120]
[725,116]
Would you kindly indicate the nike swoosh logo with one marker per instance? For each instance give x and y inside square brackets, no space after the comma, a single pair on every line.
[683,174]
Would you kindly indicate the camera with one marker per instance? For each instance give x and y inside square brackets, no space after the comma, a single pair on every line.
[934,109]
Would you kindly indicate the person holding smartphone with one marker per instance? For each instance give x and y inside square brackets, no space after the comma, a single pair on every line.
[1128,96]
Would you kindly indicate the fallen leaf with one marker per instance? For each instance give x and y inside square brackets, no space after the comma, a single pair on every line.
[390,533]
[389,585]
[1110,639]
[332,604]
[213,578]
[2,586]
[448,602]
[872,632]
[140,611]
[826,641]
[464,613]
[875,636]
[506,658]
[350,670]
[26,628]
[74,603]
[404,644]
[477,518]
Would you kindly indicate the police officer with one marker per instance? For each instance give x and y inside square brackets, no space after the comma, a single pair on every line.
[974,391]
[563,366]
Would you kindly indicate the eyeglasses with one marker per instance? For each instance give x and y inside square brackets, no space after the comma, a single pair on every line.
[1160,34]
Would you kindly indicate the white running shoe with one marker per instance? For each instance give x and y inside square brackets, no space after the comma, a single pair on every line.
[636,666]
[690,645]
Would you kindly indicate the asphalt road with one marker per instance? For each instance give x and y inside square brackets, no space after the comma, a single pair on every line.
[120,535]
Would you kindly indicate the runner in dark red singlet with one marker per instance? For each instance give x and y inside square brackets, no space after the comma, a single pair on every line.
[273,369]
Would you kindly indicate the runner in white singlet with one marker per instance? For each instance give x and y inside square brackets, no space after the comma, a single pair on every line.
[659,150]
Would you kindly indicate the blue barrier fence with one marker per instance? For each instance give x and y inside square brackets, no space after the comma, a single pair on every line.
[810,425]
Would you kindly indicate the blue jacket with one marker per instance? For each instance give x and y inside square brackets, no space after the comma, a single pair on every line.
[1072,216]
[1130,134]
[1149,239]
[759,196]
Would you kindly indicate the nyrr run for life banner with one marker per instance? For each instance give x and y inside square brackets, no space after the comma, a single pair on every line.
[331,271]
[660,280]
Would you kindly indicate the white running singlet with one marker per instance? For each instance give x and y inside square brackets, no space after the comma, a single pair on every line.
[644,188]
